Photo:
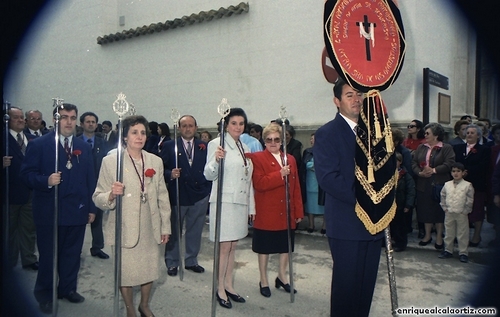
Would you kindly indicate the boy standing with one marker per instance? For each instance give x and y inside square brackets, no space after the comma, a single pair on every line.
[457,198]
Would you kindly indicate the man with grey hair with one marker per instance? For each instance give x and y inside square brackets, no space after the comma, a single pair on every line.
[34,123]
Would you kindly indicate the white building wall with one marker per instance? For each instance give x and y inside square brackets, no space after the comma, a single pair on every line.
[258,60]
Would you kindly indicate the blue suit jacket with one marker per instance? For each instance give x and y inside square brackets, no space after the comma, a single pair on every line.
[334,151]
[99,151]
[19,192]
[193,186]
[75,190]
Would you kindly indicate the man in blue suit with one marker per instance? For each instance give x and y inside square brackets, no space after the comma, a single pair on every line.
[194,190]
[75,180]
[21,225]
[88,122]
[355,252]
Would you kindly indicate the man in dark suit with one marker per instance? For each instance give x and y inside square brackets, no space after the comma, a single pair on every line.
[22,234]
[194,190]
[75,180]
[34,120]
[355,252]
[88,122]
[109,135]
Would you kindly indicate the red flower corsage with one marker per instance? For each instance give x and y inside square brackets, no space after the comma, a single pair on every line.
[437,148]
[150,172]
[423,164]
[202,147]
[77,153]
[473,150]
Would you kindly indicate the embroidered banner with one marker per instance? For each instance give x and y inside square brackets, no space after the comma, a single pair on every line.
[365,42]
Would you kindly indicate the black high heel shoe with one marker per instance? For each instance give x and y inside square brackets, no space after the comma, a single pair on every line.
[286,287]
[474,244]
[142,313]
[265,291]
[224,303]
[236,297]
[423,243]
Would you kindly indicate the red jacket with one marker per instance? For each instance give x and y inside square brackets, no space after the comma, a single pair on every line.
[270,194]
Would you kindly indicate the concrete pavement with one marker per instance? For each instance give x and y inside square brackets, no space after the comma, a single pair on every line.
[422,279]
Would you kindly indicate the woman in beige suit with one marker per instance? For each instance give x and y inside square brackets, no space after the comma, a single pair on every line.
[145,212]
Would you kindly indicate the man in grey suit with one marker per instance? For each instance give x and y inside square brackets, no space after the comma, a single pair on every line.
[194,190]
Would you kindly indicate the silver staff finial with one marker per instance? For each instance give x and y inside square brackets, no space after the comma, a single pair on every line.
[224,108]
[121,106]
[175,115]
[6,108]
[283,113]
[132,109]
[58,103]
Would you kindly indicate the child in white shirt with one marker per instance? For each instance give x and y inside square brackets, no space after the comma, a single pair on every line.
[457,198]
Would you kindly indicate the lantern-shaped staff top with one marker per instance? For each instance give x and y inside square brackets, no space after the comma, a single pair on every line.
[132,110]
[121,107]
[58,104]
[283,114]
[6,108]
[223,108]
[175,115]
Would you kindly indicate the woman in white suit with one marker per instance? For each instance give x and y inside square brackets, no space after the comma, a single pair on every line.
[238,203]
[145,212]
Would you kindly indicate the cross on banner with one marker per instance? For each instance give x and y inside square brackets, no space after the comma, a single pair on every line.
[366,30]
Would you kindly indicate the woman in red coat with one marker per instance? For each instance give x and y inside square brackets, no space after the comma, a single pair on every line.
[270,226]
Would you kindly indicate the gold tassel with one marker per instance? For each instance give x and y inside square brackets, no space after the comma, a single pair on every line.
[371,176]
[389,143]
[378,131]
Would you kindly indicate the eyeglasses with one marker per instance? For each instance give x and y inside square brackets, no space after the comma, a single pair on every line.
[411,126]
[275,140]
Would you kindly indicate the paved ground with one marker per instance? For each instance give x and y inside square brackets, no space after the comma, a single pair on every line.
[423,280]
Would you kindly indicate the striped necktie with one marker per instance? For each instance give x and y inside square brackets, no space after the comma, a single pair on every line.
[20,141]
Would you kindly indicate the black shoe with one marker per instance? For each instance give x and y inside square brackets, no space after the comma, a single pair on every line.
[323,231]
[100,254]
[439,246]
[463,258]
[286,287]
[399,249]
[142,313]
[224,303]
[46,307]
[32,266]
[423,243]
[73,297]
[265,291]
[236,297]
[474,244]
[172,271]
[310,230]
[445,255]
[195,268]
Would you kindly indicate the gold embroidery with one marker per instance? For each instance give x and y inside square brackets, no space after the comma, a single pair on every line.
[383,223]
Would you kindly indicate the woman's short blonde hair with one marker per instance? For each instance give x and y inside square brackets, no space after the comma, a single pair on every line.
[271,128]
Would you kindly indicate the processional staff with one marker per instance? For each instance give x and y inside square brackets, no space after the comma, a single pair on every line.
[223,110]
[5,216]
[283,117]
[175,116]
[58,104]
[121,107]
